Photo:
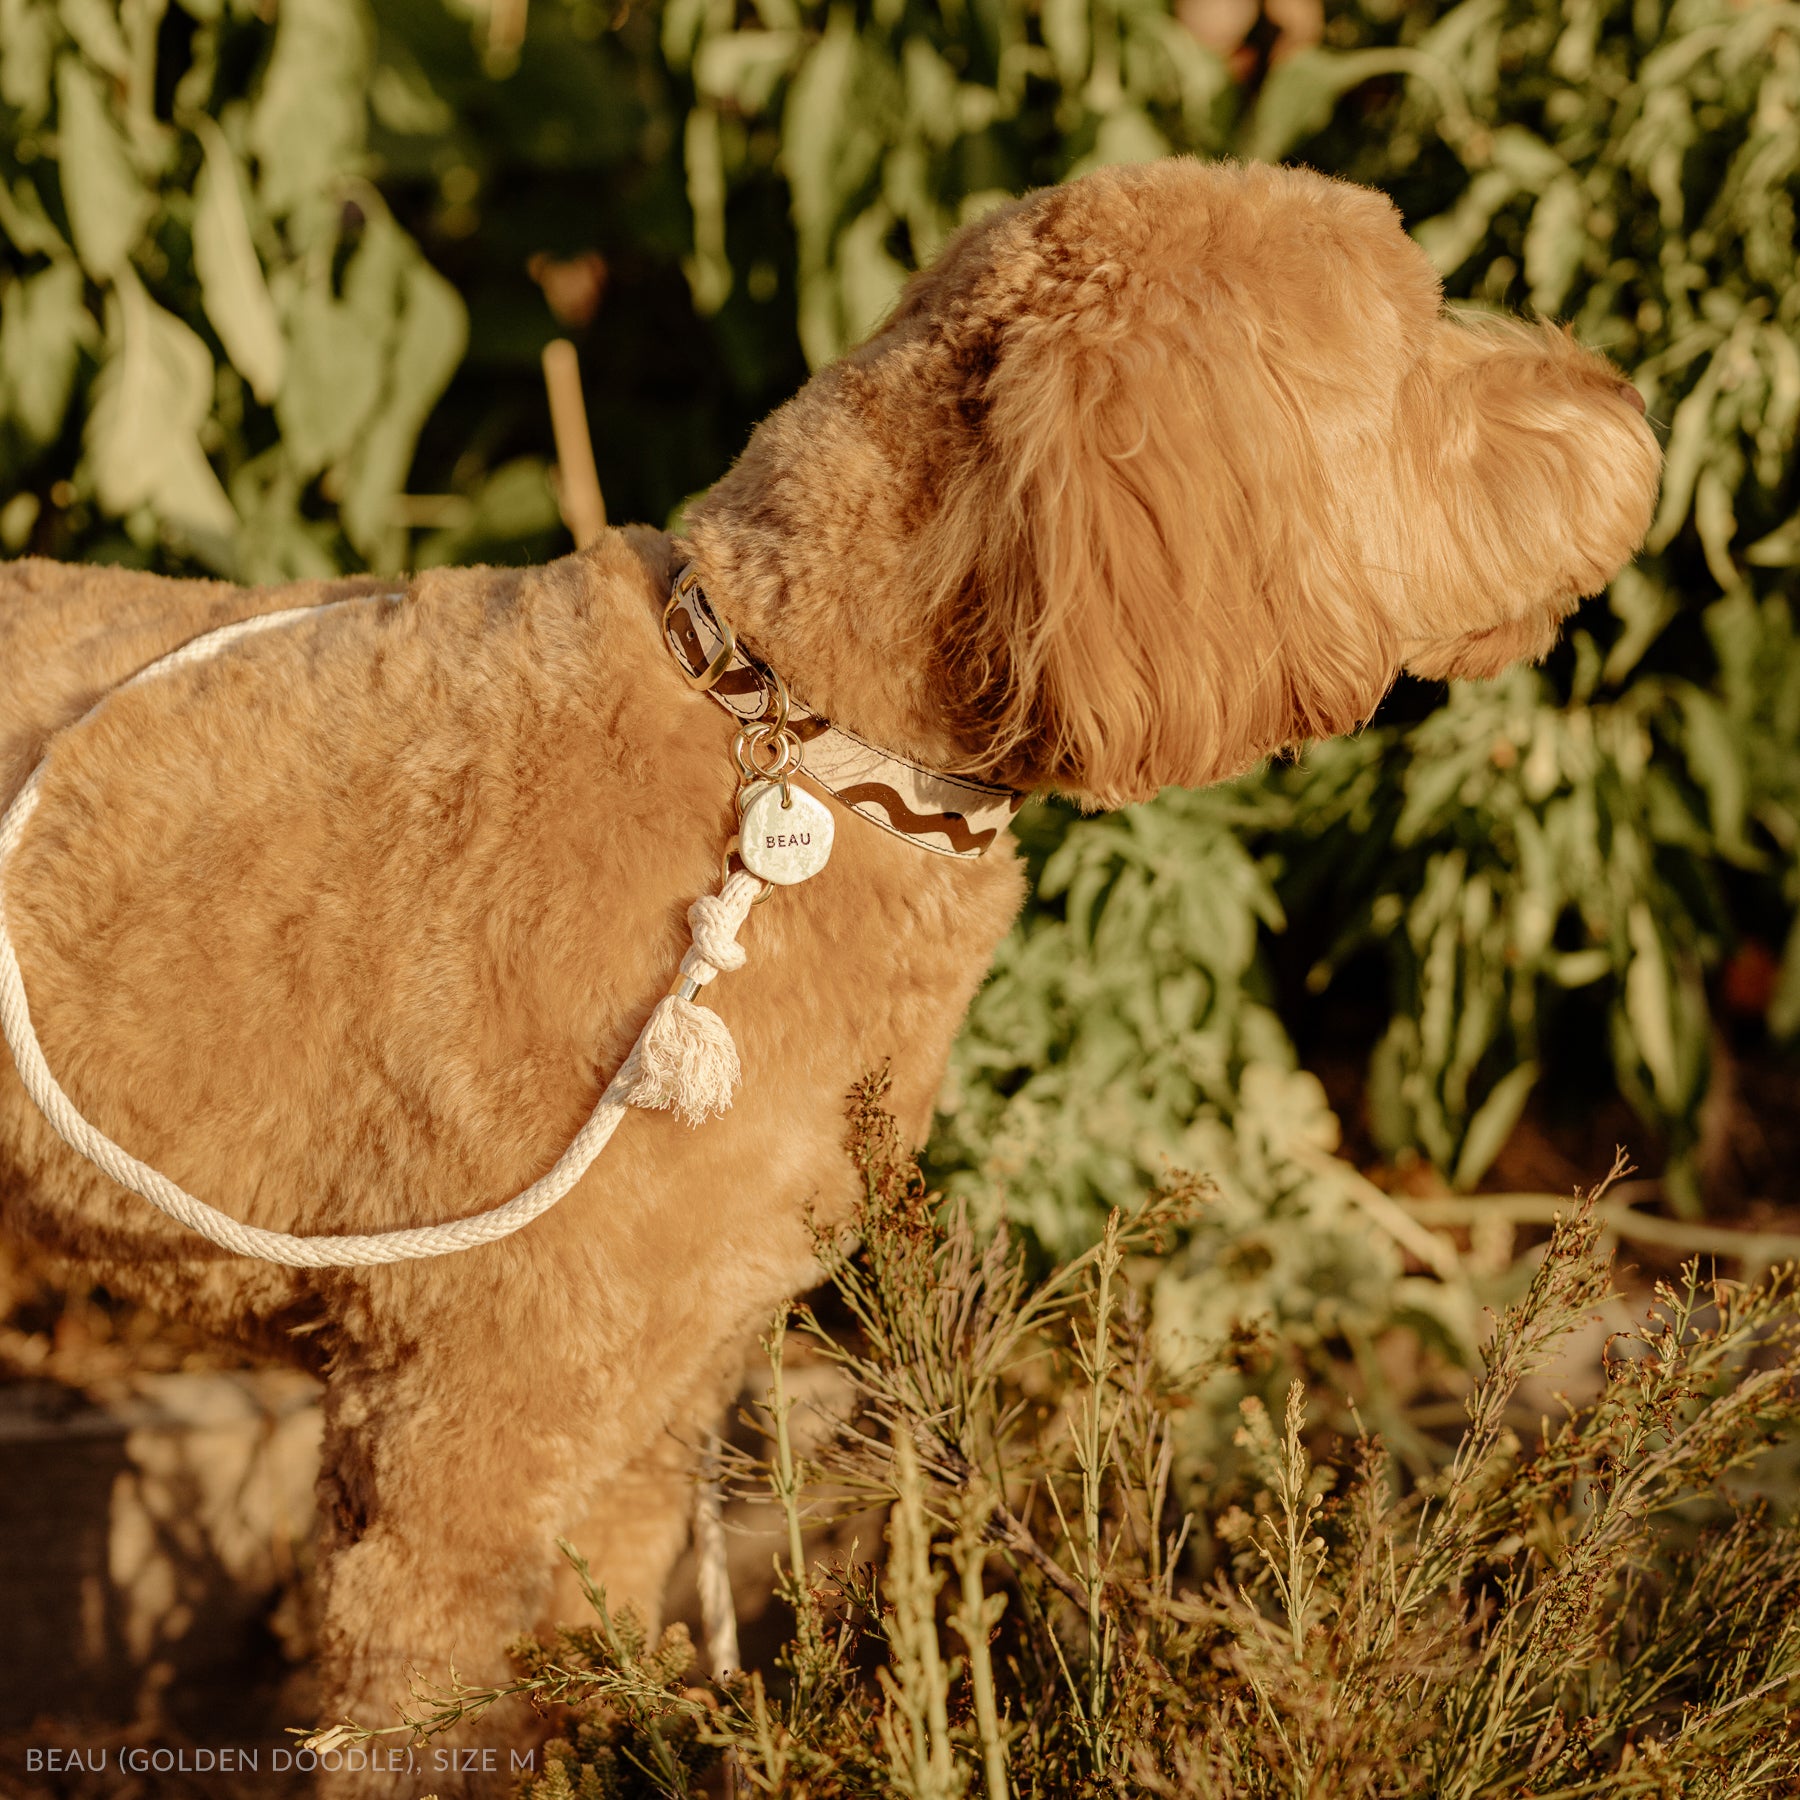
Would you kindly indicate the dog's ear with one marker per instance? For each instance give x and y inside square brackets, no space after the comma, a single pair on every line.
[1553,470]
[1162,599]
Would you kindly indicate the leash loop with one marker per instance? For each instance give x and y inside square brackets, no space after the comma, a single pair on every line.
[683,1060]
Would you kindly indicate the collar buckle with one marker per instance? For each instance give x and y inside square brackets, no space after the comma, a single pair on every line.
[708,677]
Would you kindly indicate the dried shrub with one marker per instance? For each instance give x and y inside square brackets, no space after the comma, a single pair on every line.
[1599,1605]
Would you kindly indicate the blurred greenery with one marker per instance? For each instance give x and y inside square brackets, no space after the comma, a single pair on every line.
[274,280]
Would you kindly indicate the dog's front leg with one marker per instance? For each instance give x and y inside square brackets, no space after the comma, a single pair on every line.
[444,1486]
[638,1521]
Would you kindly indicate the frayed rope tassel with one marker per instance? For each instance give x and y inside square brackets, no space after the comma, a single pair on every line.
[685,1061]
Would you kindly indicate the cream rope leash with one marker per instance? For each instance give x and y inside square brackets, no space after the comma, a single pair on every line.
[683,1060]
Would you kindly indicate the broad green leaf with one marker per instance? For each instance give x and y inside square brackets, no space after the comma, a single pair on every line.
[1302,92]
[745,67]
[44,324]
[1390,1112]
[1648,1005]
[27,53]
[1555,242]
[1715,521]
[1438,997]
[1644,607]
[1542,770]
[1493,1124]
[403,99]
[232,287]
[1716,762]
[1297,101]
[931,92]
[1579,968]
[94,26]
[1430,788]
[429,340]
[1780,549]
[844,107]
[870,279]
[908,188]
[108,205]
[338,349]
[17,519]
[150,399]
[1126,136]
[1201,74]
[708,270]
[814,125]
[1523,155]
[24,221]
[1690,433]
[1573,57]
[1782,415]
[1452,237]
[1068,38]
[1458,31]
[682,23]
[276,542]
[308,124]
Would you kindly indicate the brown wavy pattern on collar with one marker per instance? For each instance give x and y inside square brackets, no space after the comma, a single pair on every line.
[908,823]
[948,815]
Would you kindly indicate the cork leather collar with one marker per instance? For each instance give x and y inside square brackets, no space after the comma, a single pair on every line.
[948,815]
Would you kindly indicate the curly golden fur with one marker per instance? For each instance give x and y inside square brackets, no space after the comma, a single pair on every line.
[1149,475]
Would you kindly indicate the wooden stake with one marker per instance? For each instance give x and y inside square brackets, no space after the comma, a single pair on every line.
[577,479]
[506,31]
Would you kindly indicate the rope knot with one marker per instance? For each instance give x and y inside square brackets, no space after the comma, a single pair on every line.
[685,1060]
[714,920]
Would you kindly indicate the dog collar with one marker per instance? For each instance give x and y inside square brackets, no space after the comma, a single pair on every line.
[946,814]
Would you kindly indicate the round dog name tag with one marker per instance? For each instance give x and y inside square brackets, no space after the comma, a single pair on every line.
[784,844]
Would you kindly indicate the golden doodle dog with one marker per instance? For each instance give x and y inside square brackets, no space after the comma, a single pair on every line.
[1149,475]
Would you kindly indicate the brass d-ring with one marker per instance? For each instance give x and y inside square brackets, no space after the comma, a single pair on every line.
[747,750]
[731,850]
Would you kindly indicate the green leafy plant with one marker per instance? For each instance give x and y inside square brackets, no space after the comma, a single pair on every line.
[129,173]
[1119,1038]
[1617,825]
[894,123]
[1634,169]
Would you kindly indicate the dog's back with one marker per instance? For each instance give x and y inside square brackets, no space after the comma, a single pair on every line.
[70,632]
[340,930]
[228,868]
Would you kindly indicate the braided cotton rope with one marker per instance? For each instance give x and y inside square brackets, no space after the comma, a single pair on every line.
[714,919]
[718,1612]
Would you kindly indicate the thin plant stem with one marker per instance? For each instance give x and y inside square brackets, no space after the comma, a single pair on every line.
[973,1620]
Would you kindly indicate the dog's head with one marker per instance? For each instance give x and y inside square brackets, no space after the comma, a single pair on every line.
[1160,470]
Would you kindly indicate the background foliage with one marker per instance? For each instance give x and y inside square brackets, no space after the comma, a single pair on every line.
[274,280]
[273,287]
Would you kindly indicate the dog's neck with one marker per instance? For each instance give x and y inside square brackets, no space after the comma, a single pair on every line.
[933,810]
[820,546]
[857,666]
